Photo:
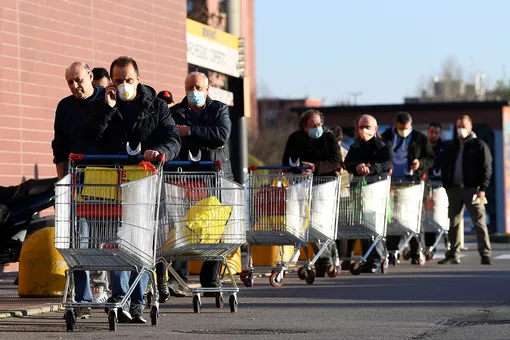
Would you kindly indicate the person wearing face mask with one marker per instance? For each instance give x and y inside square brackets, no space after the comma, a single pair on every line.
[467,172]
[369,155]
[413,157]
[132,120]
[319,150]
[204,126]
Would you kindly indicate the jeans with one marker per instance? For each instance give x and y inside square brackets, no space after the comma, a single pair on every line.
[82,290]
[121,280]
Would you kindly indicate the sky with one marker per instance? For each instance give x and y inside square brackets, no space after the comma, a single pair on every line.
[386,49]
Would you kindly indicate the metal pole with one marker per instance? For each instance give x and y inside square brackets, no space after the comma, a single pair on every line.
[239,135]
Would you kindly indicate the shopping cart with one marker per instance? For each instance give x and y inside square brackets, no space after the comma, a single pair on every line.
[278,215]
[406,202]
[205,220]
[106,219]
[363,214]
[323,223]
[435,214]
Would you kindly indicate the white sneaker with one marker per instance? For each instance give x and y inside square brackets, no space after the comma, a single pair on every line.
[99,295]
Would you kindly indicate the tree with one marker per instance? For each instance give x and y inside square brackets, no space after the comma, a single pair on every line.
[501,90]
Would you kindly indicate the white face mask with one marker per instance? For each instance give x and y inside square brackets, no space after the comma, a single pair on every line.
[404,133]
[126,91]
[462,132]
[366,134]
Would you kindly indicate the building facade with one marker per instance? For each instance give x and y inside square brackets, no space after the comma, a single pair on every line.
[40,40]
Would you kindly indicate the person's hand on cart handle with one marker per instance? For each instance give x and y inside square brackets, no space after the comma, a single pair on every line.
[310,169]
[415,165]
[110,96]
[183,130]
[363,169]
[151,155]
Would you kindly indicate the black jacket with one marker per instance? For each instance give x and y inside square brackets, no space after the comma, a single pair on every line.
[476,164]
[154,128]
[436,171]
[323,152]
[419,148]
[376,152]
[210,132]
[70,117]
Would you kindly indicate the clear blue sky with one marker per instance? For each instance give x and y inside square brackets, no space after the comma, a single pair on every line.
[329,48]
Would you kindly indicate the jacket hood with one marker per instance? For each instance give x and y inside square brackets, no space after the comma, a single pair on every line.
[148,95]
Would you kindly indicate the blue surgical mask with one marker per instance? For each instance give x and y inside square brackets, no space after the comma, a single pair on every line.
[196,98]
[315,133]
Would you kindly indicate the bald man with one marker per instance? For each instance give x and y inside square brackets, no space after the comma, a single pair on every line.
[370,155]
[69,137]
[204,127]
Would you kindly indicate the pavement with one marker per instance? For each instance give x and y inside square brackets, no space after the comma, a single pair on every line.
[466,301]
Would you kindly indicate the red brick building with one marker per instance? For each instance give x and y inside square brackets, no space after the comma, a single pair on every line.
[41,38]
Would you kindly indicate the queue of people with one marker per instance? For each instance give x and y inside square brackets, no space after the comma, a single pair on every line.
[115,113]
[464,166]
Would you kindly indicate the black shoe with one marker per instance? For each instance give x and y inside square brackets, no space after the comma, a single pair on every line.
[449,260]
[136,312]
[415,260]
[372,267]
[175,289]
[486,260]
[164,292]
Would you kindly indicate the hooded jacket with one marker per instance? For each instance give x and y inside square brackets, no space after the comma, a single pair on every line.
[152,126]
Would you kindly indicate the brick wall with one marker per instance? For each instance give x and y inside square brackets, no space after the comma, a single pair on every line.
[40,38]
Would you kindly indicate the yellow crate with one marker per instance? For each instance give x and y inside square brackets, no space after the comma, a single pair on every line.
[108,180]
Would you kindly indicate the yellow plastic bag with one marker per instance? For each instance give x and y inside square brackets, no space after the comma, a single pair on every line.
[206,221]
[280,182]
[109,179]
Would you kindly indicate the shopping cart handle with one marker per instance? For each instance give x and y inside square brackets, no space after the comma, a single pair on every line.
[82,157]
[190,163]
[274,167]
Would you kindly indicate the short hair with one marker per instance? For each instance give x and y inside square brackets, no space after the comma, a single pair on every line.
[123,62]
[166,96]
[100,73]
[435,125]
[79,63]
[466,117]
[197,73]
[403,118]
[306,115]
[337,130]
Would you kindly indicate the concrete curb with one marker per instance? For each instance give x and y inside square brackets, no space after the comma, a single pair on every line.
[32,311]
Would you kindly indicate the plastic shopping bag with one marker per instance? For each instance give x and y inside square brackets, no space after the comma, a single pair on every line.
[206,220]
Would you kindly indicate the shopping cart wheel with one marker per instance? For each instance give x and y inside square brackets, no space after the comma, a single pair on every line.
[112,320]
[219,300]
[406,254]
[301,273]
[275,280]
[333,271]
[355,268]
[429,256]
[197,304]
[154,315]
[384,266]
[232,300]
[310,276]
[70,320]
